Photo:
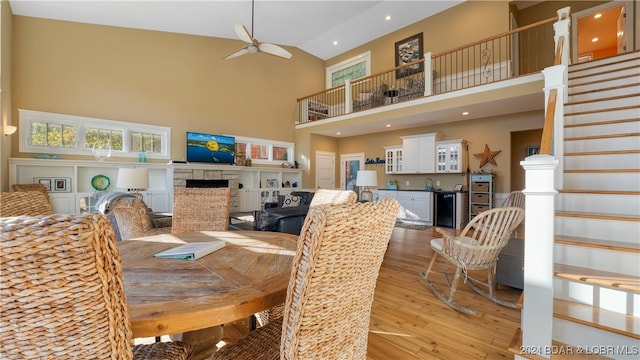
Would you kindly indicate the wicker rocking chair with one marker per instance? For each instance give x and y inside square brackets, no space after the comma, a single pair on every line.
[476,248]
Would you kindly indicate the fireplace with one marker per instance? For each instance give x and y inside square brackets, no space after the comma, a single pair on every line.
[214,183]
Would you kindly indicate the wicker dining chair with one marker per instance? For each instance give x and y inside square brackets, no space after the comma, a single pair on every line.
[329,196]
[24,203]
[133,218]
[31,187]
[475,248]
[331,287]
[63,292]
[198,209]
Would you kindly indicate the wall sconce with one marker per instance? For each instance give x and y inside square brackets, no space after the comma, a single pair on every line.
[9,130]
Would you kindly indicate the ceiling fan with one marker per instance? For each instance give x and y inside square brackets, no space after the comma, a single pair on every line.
[254,46]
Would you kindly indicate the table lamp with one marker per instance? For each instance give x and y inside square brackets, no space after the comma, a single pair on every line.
[366,178]
[135,179]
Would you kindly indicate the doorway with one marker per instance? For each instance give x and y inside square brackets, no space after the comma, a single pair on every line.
[602,31]
[325,170]
[523,144]
[349,166]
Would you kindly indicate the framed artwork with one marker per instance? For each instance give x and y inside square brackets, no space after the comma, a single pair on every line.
[62,185]
[44,181]
[533,150]
[409,50]
[458,187]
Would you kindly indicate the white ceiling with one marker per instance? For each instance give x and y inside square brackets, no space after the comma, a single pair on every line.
[310,25]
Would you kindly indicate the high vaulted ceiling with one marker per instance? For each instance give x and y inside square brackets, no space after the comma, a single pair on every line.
[310,25]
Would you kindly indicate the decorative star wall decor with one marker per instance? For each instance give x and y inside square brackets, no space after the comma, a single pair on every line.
[487,156]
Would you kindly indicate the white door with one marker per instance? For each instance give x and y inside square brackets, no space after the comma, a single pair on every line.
[325,170]
[349,166]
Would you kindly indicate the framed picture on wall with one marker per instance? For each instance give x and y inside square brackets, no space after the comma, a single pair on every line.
[409,50]
[62,184]
[533,150]
[44,181]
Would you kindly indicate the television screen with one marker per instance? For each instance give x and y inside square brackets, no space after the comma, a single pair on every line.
[210,148]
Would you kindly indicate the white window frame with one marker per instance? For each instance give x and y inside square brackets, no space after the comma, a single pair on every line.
[366,56]
[80,123]
[270,144]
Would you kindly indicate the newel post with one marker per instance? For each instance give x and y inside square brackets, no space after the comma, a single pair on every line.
[537,313]
[554,79]
[428,75]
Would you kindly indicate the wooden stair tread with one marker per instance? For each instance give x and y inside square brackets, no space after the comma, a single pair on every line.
[603,122]
[590,215]
[599,192]
[601,72]
[598,243]
[601,99]
[597,277]
[608,136]
[560,351]
[609,152]
[592,91]
[603,110]
[587,315]
[600,62]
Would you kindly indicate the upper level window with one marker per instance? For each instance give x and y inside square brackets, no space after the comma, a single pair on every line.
[67,134]
[354,68]
[262,151]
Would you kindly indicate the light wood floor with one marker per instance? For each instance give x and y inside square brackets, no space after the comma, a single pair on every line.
[408,322]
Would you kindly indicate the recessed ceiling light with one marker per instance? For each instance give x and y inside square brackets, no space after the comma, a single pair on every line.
[388,125]
[338,133]
[335,42]
[595,39]
[388,17]
[597,16]
[465,113]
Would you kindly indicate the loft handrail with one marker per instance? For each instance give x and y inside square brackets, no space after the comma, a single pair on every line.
[549,118]
[362,79]
[494,37]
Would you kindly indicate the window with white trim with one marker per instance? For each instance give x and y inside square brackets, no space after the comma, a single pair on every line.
[262,151]
[353,68]
[53,133]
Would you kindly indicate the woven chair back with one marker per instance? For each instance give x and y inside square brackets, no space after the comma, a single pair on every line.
[31,187]
[63,304]
[480,242]
[24,203]
[327,196]
[132,216]
[330,293]
[200,209]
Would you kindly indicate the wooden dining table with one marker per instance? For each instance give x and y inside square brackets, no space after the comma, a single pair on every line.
[167,296]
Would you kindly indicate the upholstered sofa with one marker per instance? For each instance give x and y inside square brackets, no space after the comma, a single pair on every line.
[289,216]
[283,217]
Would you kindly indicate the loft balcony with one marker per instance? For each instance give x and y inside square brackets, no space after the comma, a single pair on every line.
[493,76]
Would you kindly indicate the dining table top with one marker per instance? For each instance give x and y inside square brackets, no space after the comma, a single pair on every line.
[167,296]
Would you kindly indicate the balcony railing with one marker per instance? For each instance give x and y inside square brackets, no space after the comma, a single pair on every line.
[519,52]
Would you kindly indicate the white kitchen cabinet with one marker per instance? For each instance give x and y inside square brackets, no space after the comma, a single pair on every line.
[419,153]
[451,156]
[416,205]
[383,194]
[393,159]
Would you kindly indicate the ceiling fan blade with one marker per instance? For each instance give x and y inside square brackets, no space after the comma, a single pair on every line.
[275,50]
[243,34]
[237,53]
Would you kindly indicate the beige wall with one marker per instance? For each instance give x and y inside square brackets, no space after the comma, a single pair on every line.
[157,78]
[5,95]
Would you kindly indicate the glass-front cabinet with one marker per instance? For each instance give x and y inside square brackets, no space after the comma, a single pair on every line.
[393,159]
[451,156]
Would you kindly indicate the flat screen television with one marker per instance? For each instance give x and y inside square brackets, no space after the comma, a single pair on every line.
[209,148]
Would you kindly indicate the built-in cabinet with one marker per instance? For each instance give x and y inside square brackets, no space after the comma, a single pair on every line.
[73,182]
[414,205]
[393,159]
[481,193]
[419,153]
[76,185]
[451,156]
[258,186]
